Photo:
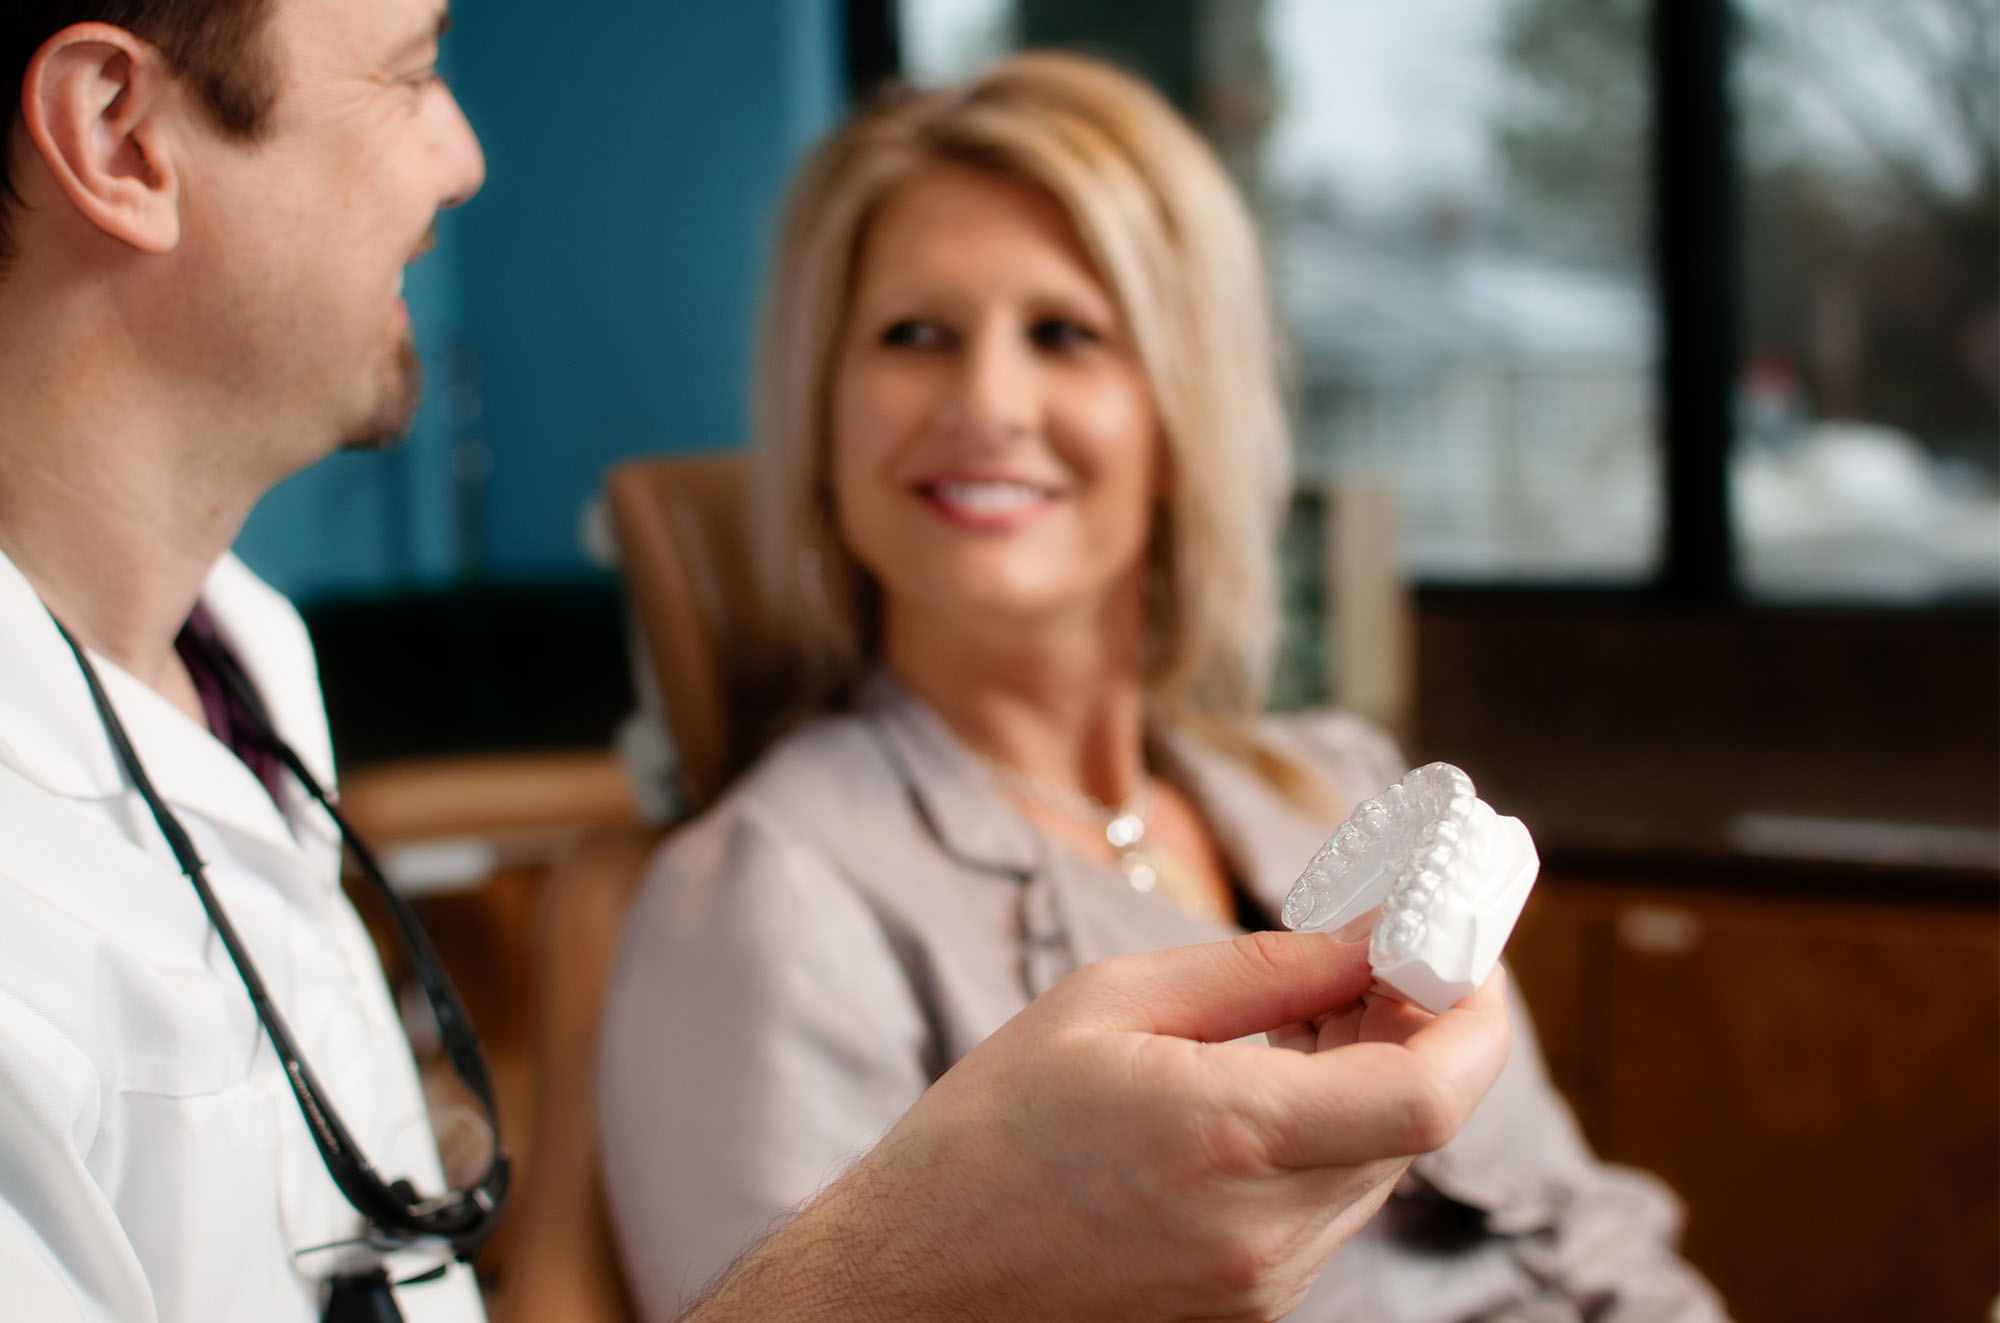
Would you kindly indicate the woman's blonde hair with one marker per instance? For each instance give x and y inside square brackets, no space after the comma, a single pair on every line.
[1171,239]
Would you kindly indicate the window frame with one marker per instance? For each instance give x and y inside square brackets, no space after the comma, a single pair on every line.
[1697,280]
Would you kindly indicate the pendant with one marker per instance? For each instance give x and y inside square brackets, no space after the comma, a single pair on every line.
[1124,831]
[1139,871]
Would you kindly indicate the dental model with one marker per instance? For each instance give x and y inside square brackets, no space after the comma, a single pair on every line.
[1433,874]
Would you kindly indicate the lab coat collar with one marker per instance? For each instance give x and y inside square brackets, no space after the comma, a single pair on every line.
[51,734]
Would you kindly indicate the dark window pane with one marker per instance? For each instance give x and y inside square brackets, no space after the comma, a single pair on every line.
[1867,461]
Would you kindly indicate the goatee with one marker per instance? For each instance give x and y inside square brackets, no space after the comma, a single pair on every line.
[402,391]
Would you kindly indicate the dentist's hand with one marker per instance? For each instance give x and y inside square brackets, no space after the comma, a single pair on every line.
[1110,1154]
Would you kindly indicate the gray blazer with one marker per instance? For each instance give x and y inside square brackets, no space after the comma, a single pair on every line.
[864,906]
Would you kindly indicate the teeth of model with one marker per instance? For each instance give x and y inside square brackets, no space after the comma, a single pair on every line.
[1395,936]
[1416,891]
[988,497]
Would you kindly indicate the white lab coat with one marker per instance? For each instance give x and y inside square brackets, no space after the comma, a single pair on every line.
[154,1167]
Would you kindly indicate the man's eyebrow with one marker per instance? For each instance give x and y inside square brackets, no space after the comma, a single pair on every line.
[422,40]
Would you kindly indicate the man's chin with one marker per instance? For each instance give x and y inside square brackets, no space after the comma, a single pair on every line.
[397,410]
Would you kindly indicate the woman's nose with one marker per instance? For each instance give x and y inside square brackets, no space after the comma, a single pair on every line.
[997,394]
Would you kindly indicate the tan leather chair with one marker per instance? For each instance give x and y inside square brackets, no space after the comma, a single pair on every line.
[564,1267]
[678,522]
[679,525]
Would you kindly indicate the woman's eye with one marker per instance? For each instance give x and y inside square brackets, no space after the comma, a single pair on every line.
[913,333]
[1057,333]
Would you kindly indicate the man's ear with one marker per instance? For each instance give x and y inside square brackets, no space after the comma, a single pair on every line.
[98,105]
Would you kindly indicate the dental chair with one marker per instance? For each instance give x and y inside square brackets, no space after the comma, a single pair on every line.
[678,526]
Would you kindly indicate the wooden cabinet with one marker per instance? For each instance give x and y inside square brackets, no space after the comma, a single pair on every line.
[1809,1052]
[1815,1071]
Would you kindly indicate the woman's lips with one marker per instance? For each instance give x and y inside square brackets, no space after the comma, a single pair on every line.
[987,504]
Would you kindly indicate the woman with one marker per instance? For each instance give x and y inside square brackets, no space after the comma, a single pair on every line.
[1020,459]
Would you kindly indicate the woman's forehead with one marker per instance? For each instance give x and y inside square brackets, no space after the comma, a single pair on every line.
[960,226]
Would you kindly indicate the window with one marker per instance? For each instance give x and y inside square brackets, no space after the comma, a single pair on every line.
[1502,284]
[1867,452]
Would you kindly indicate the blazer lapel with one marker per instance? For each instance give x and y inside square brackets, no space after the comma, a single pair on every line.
[971,820]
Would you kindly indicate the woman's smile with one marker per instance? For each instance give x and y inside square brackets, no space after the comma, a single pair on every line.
[983,504]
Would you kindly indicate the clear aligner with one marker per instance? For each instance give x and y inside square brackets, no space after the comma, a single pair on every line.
[1425,813]
[1433,872]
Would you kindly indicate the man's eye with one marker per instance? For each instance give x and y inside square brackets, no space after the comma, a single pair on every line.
[913,333]
[1058,333]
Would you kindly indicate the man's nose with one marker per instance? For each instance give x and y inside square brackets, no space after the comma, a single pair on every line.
[464,164]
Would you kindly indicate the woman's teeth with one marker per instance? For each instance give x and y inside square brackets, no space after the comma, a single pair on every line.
[987,497]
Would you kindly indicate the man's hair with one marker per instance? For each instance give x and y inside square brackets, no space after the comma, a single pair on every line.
[217,45]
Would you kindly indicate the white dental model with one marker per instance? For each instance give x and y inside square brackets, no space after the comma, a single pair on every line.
[1439,875]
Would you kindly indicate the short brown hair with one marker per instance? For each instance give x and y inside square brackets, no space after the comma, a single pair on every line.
[217,45]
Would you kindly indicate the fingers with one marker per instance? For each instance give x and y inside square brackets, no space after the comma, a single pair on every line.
[1344,1025]
[1223,990]
[1302,1037]
[1366,1101]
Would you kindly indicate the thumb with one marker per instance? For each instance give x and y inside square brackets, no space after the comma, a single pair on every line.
[1222,990]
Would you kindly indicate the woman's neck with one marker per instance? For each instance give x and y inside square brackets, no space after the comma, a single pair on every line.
[1061,701]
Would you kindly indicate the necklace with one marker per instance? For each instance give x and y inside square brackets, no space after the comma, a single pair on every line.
[1123,825]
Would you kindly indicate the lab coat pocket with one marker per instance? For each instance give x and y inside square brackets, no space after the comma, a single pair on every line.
[191,1175]
[180,1032]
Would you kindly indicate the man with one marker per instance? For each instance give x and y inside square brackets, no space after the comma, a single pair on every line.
[208,208]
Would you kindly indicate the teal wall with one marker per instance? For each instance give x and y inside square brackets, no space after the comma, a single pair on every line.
[598,295]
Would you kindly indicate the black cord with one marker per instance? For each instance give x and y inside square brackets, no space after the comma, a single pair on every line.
[464,1218]
[455,1029]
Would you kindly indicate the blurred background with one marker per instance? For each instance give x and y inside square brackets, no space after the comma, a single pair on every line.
[1647,350]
